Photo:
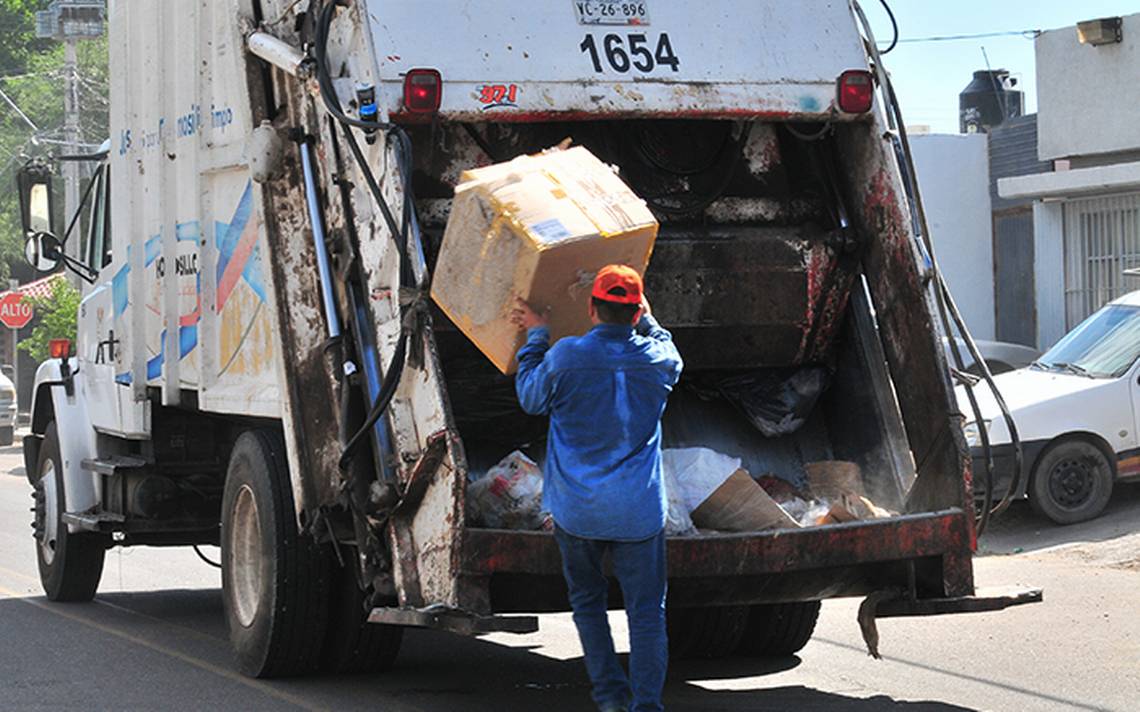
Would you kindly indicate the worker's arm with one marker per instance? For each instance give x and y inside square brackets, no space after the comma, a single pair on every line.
[533,382]
[648,327]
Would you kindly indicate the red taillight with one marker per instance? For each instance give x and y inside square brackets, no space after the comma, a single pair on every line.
[423,89]
[60,348]
[856,91]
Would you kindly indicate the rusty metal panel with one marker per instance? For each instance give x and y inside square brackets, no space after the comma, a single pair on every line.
[309,392]
[904,316]
[914,536]
[780,291]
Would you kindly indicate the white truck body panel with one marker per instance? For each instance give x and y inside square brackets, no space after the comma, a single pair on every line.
[504,60]
[184,203]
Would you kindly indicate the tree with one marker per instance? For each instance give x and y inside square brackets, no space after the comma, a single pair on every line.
[32,78]
[56,318]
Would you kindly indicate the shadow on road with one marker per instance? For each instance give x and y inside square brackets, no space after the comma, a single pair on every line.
[1020,530]
[176,642]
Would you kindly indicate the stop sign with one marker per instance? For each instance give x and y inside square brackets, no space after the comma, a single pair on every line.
[15,313]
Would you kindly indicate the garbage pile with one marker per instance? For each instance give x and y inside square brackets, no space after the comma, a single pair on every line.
[508,496]
[708,491]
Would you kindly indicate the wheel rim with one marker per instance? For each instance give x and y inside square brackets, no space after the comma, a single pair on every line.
[49,511]
[1071,483]
[245,557]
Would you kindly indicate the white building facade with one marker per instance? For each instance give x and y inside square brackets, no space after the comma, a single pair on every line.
[1086,214]
[953,175]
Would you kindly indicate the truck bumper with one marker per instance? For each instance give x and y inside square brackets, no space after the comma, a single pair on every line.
[932,551]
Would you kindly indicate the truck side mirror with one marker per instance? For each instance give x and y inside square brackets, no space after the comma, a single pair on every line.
[43,251]
[37,202]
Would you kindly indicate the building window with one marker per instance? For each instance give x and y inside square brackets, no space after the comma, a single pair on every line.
[1102,239]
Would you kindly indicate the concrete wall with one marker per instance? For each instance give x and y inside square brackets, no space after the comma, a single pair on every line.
[1049,271]
[953,174]
[1087,96]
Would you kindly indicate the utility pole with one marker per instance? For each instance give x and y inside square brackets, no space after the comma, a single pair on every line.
[71,169]
[70,21]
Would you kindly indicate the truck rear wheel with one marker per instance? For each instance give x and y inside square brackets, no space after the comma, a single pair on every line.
[70,564]
[704,632]
[778,629]
[274,580]
[352,644]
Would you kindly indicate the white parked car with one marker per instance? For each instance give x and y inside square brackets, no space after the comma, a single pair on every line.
[7,408]
[1076,413]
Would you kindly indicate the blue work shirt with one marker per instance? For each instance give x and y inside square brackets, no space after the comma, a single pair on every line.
[605,393]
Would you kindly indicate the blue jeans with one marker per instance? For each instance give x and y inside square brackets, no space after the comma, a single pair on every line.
[640,570]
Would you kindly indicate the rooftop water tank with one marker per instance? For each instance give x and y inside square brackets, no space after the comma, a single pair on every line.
[988,100]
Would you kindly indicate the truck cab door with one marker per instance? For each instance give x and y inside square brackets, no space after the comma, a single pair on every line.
[101,328]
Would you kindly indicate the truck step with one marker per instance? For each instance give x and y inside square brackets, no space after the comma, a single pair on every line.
[115,464]
[96,522]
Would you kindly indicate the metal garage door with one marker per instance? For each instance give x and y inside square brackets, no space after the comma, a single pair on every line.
[1102,239]
[1015,306]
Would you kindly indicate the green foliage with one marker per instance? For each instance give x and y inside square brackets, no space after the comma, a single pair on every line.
[56,318]
[32,76]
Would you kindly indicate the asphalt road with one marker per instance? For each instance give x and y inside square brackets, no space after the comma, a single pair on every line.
[154,639]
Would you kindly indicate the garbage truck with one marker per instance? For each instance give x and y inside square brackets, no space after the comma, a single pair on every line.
[259,366]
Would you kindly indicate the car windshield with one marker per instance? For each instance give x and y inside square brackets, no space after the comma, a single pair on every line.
[1102,346]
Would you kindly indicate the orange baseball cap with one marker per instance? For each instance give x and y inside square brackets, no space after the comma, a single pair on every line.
[619,284]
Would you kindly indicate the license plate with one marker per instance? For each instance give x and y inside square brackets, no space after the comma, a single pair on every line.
[612,12]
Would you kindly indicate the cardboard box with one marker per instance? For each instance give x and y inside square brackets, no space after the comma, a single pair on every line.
[539,227]
[741,505]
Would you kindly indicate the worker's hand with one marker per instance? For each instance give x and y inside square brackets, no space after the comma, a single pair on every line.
[525,317]
[645,309]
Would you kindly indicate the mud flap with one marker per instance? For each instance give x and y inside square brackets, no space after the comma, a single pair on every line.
[888,604]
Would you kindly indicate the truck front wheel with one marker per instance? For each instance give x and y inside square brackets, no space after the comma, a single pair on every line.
[70,564]
[274,579]
[778,629]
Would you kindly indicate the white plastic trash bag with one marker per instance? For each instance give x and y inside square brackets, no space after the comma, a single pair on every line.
[677,520]
[698,472]
[508,496]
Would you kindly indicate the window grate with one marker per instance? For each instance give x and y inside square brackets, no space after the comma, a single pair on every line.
[1102,239]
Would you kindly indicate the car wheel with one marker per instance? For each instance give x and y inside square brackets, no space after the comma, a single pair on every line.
[7,436]
[1071,482]
[70,564]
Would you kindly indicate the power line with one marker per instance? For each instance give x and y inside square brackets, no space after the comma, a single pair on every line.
[1027,34]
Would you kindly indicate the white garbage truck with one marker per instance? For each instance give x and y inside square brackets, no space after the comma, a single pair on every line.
[258,365]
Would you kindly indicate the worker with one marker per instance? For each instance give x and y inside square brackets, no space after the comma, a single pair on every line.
[605,393]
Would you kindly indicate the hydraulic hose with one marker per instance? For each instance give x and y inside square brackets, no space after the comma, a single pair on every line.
[403,234]
[944,300]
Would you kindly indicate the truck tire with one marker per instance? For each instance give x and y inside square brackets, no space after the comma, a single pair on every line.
[7,436]
[274,579]
[352,644]
[70,564]
[1072,482]
[778,629]
[707,633]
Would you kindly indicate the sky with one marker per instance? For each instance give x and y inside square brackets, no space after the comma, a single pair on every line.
[929,75]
